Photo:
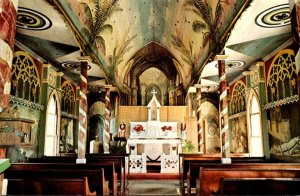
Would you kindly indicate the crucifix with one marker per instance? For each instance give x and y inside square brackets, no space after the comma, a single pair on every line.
[153,92]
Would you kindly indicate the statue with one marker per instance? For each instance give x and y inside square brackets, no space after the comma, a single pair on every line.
[183,132]
[122,130]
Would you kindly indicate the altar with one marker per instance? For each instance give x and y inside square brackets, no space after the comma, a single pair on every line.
[153,139]
[154,148]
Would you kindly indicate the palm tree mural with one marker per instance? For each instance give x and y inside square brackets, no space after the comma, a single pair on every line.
[117,57]
[187,53]
[211,23]
[96,14]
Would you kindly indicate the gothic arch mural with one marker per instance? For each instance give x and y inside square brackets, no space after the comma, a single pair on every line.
[25,78]
[210,125]
[282,80]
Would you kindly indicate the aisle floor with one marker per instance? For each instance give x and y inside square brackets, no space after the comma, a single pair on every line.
[153,187]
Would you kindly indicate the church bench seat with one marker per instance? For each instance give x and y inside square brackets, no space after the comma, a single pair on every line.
[209,178]
[258,186]
[117,159]
[49,186]
[99,175]
[186,158]
[194,164]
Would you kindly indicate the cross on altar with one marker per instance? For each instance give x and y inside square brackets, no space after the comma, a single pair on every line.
[153,92]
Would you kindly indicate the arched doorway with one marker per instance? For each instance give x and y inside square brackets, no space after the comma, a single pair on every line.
[51,133]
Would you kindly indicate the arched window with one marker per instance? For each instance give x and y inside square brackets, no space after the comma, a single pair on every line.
[238,103]
[67,121]
[51,135]
[255,127]
[25,78]
[68,98]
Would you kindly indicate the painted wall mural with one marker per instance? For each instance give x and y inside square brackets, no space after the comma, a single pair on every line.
[212,133]
[283,106]
[210,124]
[179,26]
[239,141]
[282,80]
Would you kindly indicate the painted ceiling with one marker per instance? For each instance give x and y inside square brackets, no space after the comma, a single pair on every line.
[127,37]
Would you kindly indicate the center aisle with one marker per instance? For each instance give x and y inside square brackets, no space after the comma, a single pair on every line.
[153,187]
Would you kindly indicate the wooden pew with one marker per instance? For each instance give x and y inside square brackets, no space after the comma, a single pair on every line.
[209,178]
[117,159]
[195,164]
[186,158]
[49,186]
[94,172]
[258,186]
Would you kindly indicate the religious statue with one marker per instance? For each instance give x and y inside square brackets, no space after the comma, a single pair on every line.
[153,111]
[183,132]
[122,130]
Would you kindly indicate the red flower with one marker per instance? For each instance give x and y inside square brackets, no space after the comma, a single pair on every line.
[165,128]
[138,128]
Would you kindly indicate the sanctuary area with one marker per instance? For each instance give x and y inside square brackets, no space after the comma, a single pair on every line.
[95,94]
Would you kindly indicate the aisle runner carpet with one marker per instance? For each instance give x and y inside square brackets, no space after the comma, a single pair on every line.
[153,187]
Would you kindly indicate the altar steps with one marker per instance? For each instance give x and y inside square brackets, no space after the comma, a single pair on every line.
[153,176]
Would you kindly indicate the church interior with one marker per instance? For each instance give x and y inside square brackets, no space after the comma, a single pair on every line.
[119,88]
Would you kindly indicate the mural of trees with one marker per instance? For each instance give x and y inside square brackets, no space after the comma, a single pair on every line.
[117,57]
[96,14]
[187,53]
[210,23]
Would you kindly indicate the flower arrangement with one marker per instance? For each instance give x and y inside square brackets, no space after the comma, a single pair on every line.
[138,128]
[166,128]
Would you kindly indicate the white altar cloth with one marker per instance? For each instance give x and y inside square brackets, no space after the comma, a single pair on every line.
[153,129]
[153,147]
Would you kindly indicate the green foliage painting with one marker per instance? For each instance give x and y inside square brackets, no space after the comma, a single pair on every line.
[210,23]
[96,14]
[187,53]
[117,57]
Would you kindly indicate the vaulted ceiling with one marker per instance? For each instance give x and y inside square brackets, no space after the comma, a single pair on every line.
[126,37]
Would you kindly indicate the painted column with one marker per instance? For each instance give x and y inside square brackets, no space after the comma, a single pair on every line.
[82,134]
[223,109]
[263,100]
[107,119]
[296,14]
[171,90]
[134,90]
[8,15]
[201,140]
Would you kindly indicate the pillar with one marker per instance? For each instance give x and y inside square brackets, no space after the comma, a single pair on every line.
[82,133]
[171,91]
[107,119]
[8,15]
[223,109]
[201,139]
[134,90]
